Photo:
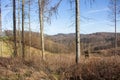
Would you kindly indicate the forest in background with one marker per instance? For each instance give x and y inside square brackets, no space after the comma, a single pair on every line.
[28,55]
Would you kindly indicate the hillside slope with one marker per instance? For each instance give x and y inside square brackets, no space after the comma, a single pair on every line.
[65,43]
[97,41]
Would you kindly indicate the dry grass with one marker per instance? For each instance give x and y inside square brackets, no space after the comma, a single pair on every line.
[5,48]
[102,68]
[59,67]
[33,67]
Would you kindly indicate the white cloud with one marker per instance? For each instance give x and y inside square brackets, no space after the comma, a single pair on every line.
[97,10]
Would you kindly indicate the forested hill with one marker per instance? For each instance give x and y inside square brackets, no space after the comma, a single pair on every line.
[97,36]
[66,42]
[99,40]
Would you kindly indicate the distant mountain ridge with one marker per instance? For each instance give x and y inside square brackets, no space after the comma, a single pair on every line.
[98,35]
[66,42]
[99,40]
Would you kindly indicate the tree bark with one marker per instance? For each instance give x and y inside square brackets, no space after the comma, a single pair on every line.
[0,20]
[14,28]
[0,29]
[115,24]
[29,30]
[19,31]
[23,42]
[41,8]
[77,31]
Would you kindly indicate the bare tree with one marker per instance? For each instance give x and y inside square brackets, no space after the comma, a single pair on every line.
[114,8]
[41,8]
[42,11]
[1,29]
[77,25]
[29,27]
[23,41]
[0,20]
[19,31]
[115,23]
[77,22]
[14,27]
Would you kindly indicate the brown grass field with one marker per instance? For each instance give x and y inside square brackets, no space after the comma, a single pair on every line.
[59,67]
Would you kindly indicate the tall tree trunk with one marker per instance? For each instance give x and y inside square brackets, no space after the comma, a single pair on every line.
[14,27]
[1,29]
[19,31]
[115,6]
[29,29]
[23,42]
[0,20]
[41,27]
[77,31]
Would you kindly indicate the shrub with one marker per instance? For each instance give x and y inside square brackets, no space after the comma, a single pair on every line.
[95,69]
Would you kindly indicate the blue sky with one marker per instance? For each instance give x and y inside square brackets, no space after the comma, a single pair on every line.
[93,18]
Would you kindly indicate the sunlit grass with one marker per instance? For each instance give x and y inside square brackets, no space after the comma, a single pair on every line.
[5,49]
